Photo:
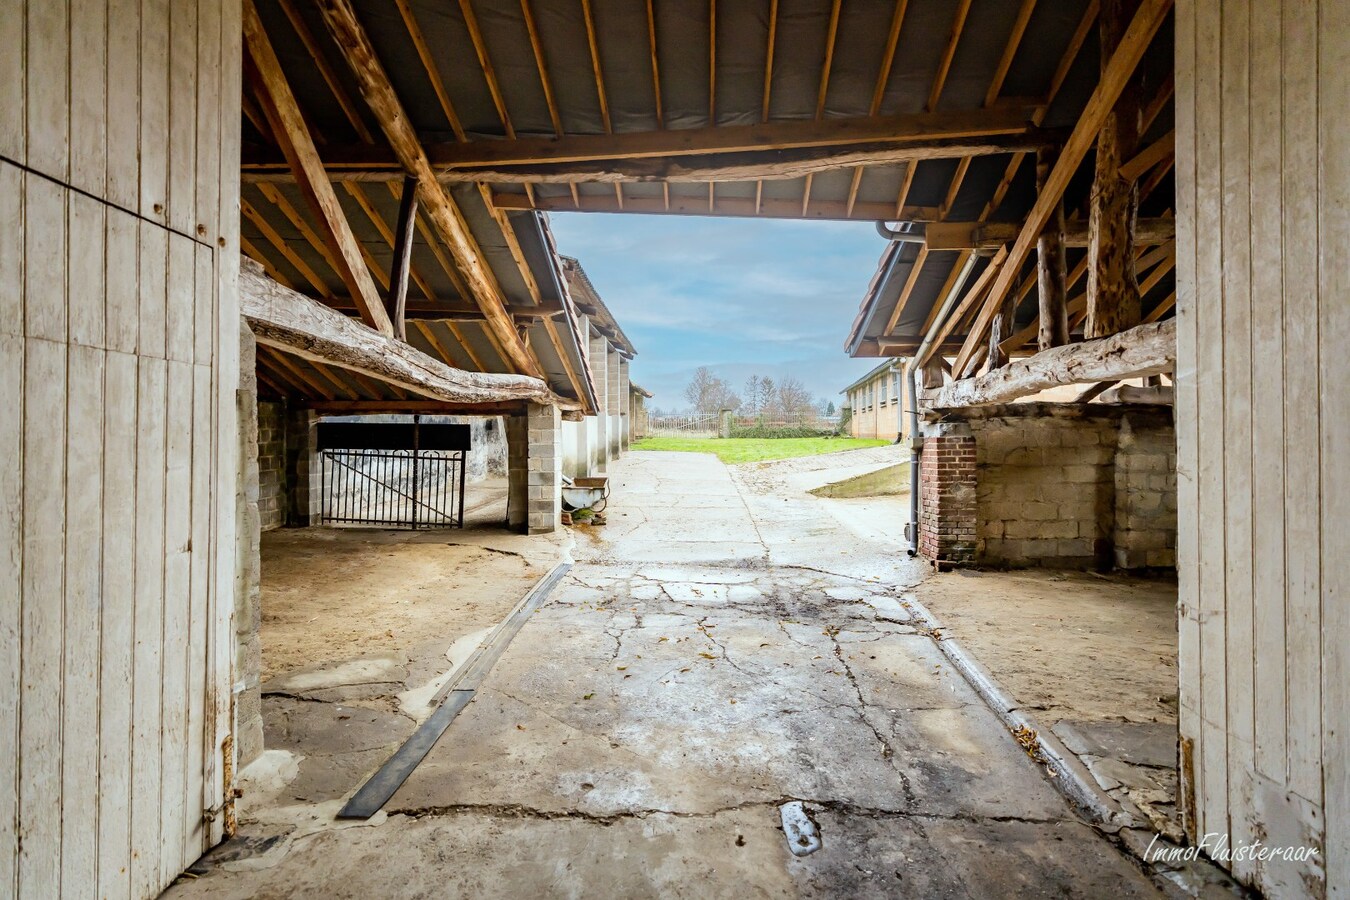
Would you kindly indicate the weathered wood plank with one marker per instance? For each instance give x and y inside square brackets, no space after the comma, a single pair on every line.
[1270,486]
[402,247]
[12,391]
[181,303]
[88,95]
[47,75]
[208,135]
[154,110]
[177,605]
[199,627]
[1333,28]
[1213,746]
[122,123]
[154,264]
[118,608]
[81,700]
[13,86]
[122,297]
[87,307]
[1143,350]
[182,132]
[147,670]
[1238,425]
[45,311]
[44,520]
[12,241]
[1307,351]
[288,125]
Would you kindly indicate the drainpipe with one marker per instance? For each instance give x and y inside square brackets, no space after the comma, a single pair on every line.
[911,379]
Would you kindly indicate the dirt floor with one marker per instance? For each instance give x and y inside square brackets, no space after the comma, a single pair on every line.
[327,594]
[1093,658]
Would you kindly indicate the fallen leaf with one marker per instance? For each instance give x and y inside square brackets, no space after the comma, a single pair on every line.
[620,668]
[659,640]
[520,727]
[588,696]
[707,656]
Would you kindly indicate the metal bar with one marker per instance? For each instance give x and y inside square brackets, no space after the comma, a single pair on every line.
[450,701]
[417,427]
[463,470]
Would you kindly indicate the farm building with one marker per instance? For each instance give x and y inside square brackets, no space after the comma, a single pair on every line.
[876,402]
[226,221]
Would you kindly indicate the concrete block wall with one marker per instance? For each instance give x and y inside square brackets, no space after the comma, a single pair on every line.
[947,522]
[1146,496]
[271,448]
[305,505]
[534,470]
[1046,490]
[597,442]
[1054,485]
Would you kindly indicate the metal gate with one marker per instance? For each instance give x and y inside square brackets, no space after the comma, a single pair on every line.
[396,475]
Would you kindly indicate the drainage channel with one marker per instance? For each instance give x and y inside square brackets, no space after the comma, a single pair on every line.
[449,702]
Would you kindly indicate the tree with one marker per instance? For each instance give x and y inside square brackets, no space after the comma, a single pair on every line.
[753,402]
[829,408]
[793,400]
[707,393]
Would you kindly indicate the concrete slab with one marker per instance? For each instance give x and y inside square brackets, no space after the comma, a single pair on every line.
[692,675]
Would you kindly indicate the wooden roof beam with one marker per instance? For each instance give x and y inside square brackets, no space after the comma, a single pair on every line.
[1115,77]
[726,206]
[990,235]
[288,126]
[374,83]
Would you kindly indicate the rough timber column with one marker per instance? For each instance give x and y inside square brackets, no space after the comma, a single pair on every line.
[534,469]
[599,360]
[947,488]
[304,488]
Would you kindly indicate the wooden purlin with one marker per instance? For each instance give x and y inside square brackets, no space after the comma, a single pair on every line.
[1114,79]
[380,96]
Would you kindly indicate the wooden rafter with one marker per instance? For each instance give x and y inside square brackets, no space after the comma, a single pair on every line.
[485,63]
[403,244]
[537,47]
[261,258]
[656,65]
[429,64]
[879,89]
[276,240]
[326,70]
[1116,75]
[712,62]
[299,223]
[342,21]
[289,128]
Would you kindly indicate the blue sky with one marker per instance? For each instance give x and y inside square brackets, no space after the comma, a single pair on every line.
[742,296]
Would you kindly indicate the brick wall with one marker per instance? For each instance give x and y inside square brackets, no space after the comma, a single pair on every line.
[271,465]
[947,487]
[1055,485]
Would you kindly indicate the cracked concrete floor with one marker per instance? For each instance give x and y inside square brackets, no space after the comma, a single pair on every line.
[720,648]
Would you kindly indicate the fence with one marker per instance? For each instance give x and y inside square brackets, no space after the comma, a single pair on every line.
[683,426]
[784,426]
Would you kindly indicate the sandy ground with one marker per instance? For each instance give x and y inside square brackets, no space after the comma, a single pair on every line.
[722,649]
[327,594]
[1068,644]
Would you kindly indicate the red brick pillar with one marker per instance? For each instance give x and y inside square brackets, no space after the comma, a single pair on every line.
[947,495]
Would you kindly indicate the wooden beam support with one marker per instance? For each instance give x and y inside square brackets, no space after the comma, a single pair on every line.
[1113,288]
[1117,74]
[1143,350]
[403,244]
[1052,315]
[374,84]
[991,235]
[947,131]
[288,127]
[1161,149]
[424,407]
[297,325]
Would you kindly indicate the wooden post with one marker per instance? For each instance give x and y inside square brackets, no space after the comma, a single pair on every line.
[1051,267]
[403,241]
[1000,330]
[1113,289]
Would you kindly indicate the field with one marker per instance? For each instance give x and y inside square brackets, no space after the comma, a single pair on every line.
[744,450]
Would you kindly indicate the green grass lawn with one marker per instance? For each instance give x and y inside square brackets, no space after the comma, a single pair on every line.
[743,450]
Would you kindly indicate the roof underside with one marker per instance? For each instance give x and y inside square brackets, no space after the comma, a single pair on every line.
[510,71]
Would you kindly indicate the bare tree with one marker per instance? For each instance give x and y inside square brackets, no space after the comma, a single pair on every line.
[708,393]
[793,400]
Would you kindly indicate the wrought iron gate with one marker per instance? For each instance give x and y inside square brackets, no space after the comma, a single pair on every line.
[397,475]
